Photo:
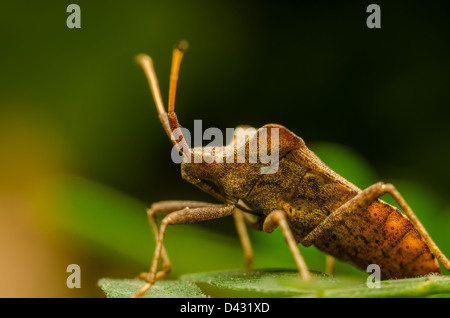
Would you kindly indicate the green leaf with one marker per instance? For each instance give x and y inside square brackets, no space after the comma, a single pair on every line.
[265,283]
[410,287]
[246,282]
[124,288]
[279,283]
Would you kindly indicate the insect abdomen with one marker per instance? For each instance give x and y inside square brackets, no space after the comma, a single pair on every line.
[379,235]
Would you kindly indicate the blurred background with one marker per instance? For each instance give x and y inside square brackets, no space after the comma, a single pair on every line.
[82,152]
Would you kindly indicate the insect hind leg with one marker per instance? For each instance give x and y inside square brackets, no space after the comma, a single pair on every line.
[435,250]
[361,202]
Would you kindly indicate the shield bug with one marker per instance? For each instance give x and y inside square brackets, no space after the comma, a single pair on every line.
[311,203]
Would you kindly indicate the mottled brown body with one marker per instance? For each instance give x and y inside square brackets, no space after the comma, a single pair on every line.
[308,191]
[379,234]
[309,202]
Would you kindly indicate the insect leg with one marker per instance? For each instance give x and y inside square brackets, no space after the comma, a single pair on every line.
[362,201]
[278,218]
[241,228]
[184,216]
[389,188]
[249,217]
[330,262]
[165,207]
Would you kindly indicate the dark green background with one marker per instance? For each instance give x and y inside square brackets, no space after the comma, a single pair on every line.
[312,66]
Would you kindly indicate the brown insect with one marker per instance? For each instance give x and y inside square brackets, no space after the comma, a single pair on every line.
[311,204]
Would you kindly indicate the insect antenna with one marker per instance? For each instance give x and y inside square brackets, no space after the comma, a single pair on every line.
[168,119]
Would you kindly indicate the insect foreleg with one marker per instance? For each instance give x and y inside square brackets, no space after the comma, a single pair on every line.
[278,218]
[184,216]
[165,207]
